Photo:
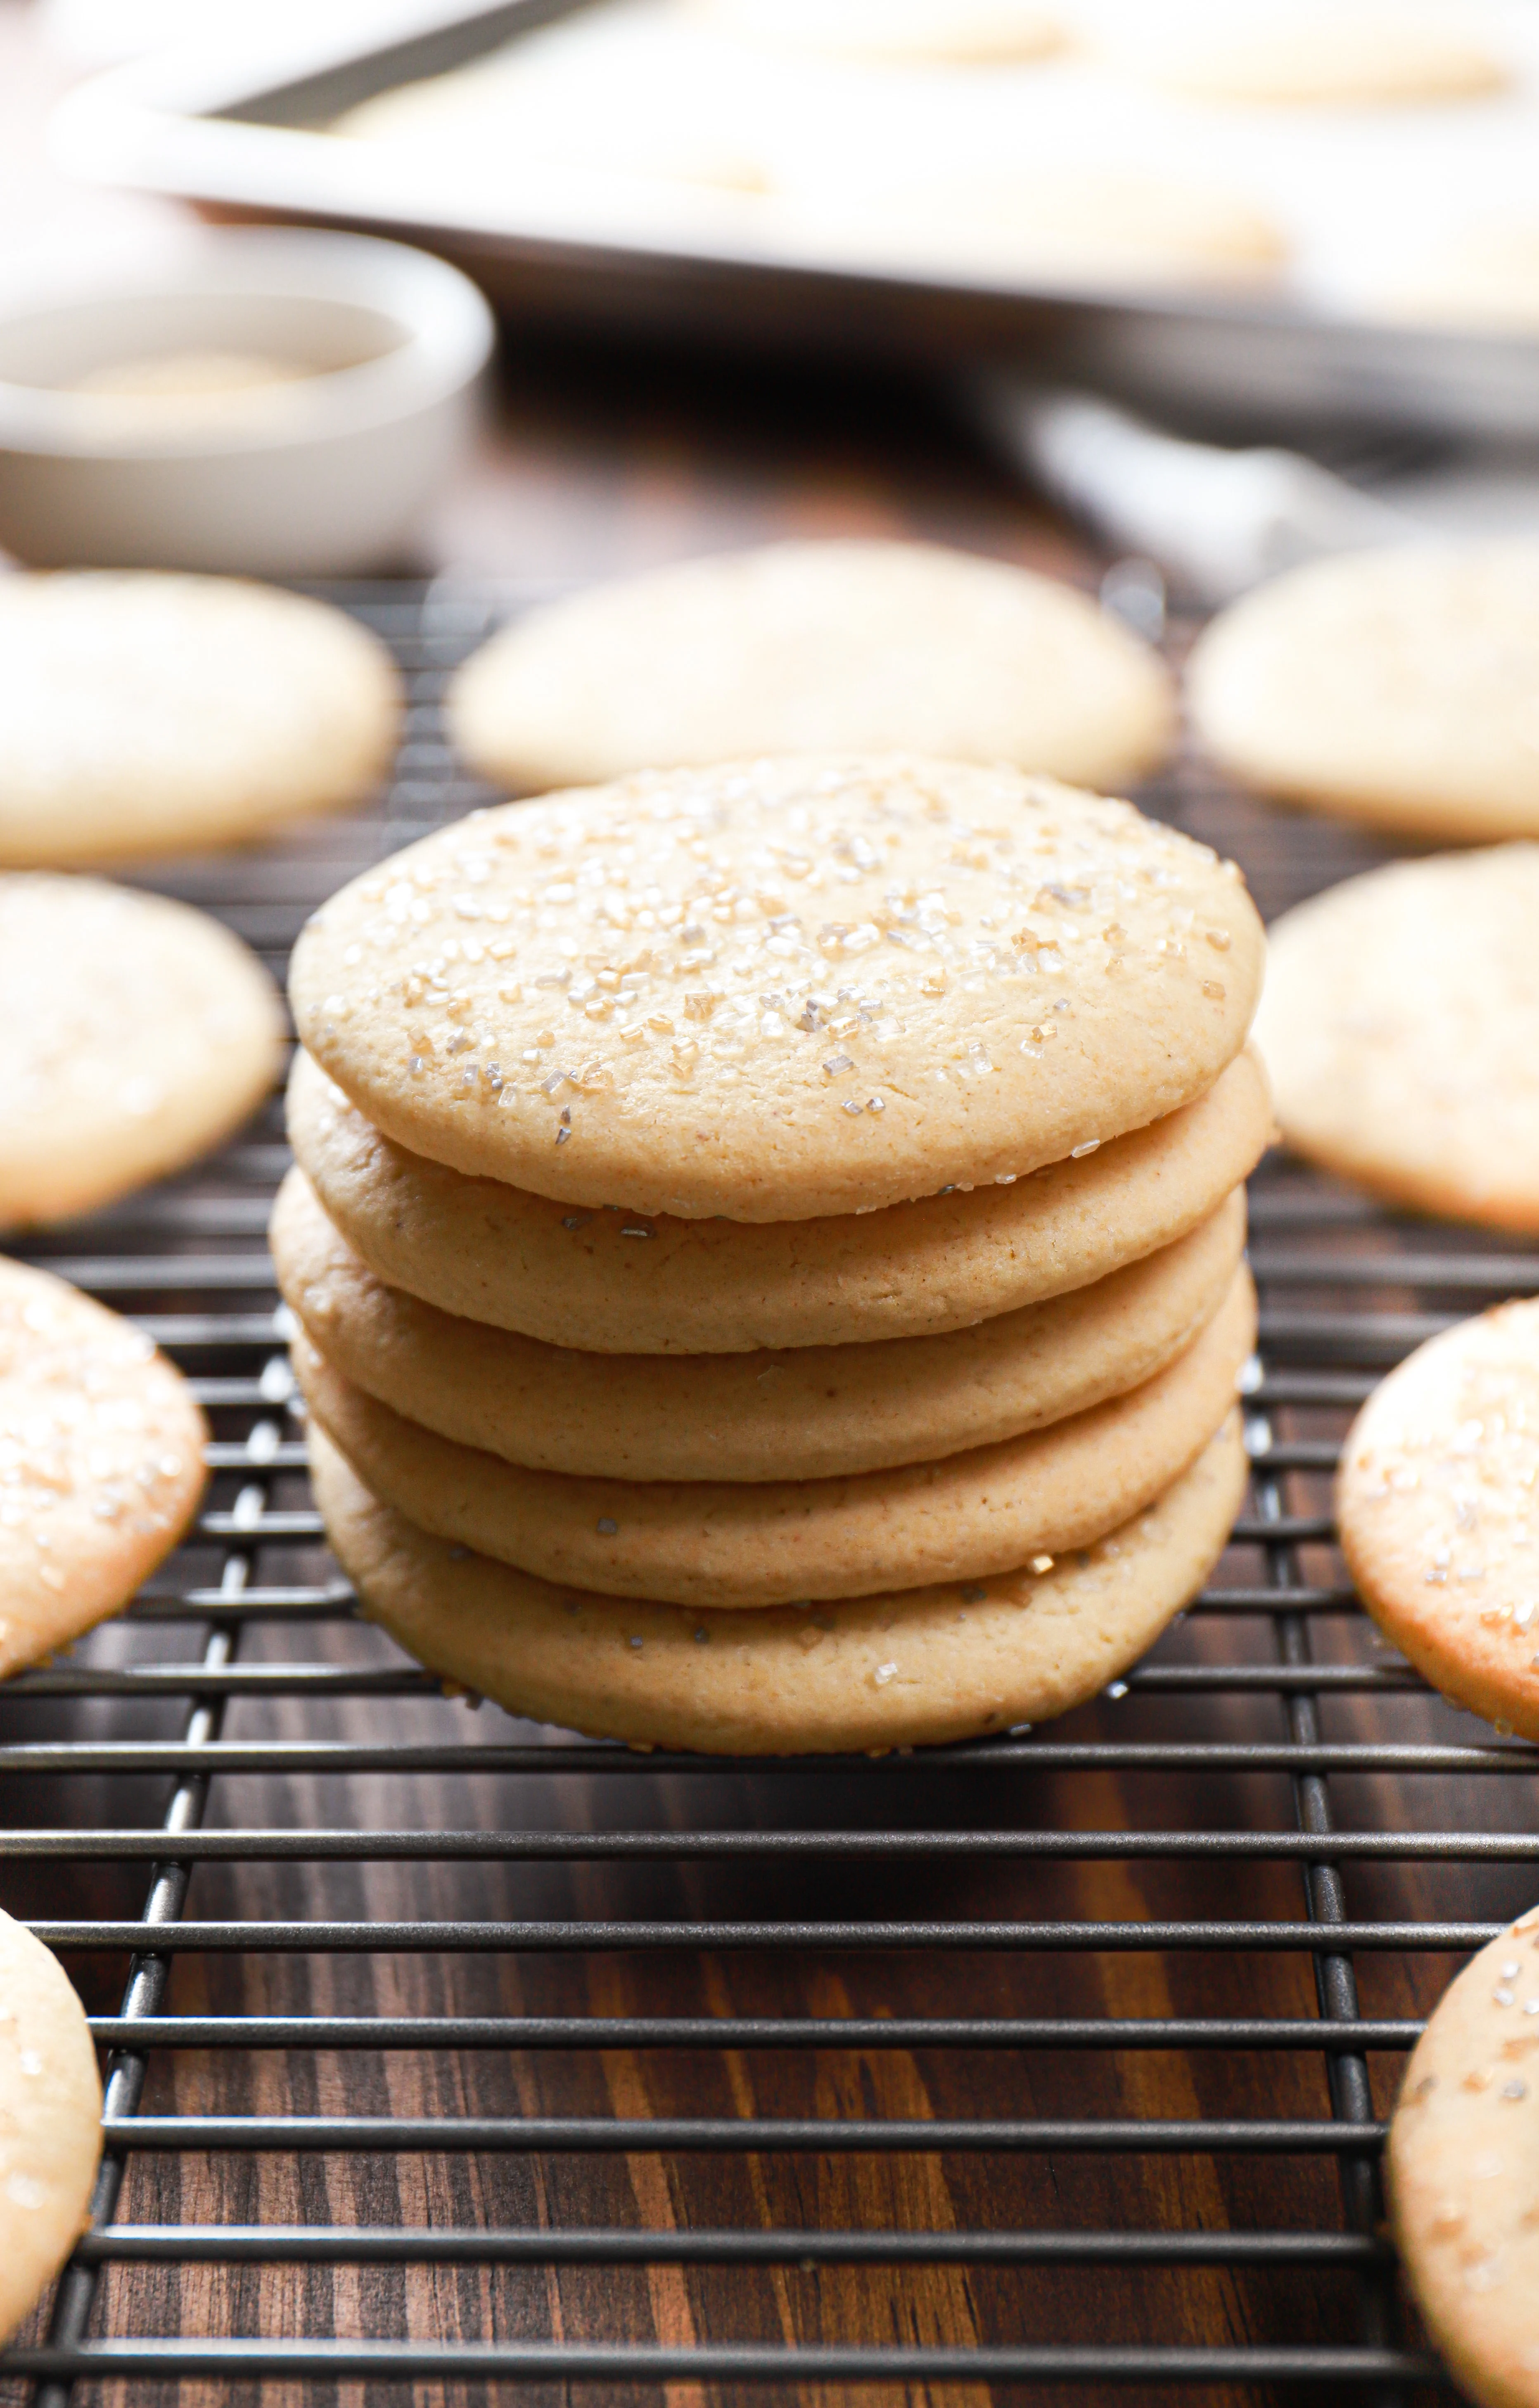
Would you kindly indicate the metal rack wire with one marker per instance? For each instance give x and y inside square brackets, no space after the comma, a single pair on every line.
[453,2051]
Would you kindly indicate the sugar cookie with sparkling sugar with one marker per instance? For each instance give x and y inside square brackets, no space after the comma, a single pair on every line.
[833,647]
[143,714]
[101,1462]
[1438,1501]
[780,989]
[1463,2172]
[811,1413]
[138,1034]
[1035,223]
[617,1283]
[1484,278]
[1307,53]
[1401,1027]
[899,1671]
[51,2128]
[1400,688]
[744,1544]
[895,31]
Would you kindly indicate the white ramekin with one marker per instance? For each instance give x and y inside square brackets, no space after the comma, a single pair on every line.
[326,476]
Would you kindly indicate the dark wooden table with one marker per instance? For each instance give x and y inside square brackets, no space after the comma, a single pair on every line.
[603,458]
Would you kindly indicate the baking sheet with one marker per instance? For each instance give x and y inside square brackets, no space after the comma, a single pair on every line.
[1361,194]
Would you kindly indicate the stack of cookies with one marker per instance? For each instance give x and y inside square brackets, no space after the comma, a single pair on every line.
[768,1249]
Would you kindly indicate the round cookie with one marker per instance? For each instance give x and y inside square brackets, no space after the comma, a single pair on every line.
[140,1034]
[1439,1512]
[101,1462]
[611,1283]
[1483,279]
[771,1542]
[814,1413]
[630,96]
[1401,1027]
[1463,2145]
[895,32]
[143,714]
[1307,52]
[905,1671]
[841,646]
[1395,687]
[782,988]
[50,2126]
[1039,223]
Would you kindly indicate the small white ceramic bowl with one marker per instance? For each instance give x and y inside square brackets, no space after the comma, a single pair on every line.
[322,476]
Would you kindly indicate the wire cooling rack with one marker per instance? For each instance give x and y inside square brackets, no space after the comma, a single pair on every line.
[443,2050]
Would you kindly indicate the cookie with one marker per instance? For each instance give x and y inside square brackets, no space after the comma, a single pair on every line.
[1395,687]
[50,2121]
[1037,224]
[842,646]
[920,1667]
[101,1462]
[143,714]
[612,1282]
[1401,1027]
[1463,2146]
[814,1413]
[1439,1520]
[621,95]
[770,1542]
[1307,52]
[780,989]
[140,1034]
[1483,279]
[895,32]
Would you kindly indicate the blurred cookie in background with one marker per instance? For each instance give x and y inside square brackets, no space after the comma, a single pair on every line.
[832,647]
[1399,1023]
[1304,53]
[644,93]
[1396,687]
[141,1033]
[893,32]
[101,1463]
[1483,279]
[1049,221]
[143,714]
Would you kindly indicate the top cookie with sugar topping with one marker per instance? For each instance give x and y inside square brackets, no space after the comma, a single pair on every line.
[782,988]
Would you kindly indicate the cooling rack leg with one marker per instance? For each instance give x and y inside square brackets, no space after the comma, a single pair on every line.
[148,1975]
[1336,1981]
